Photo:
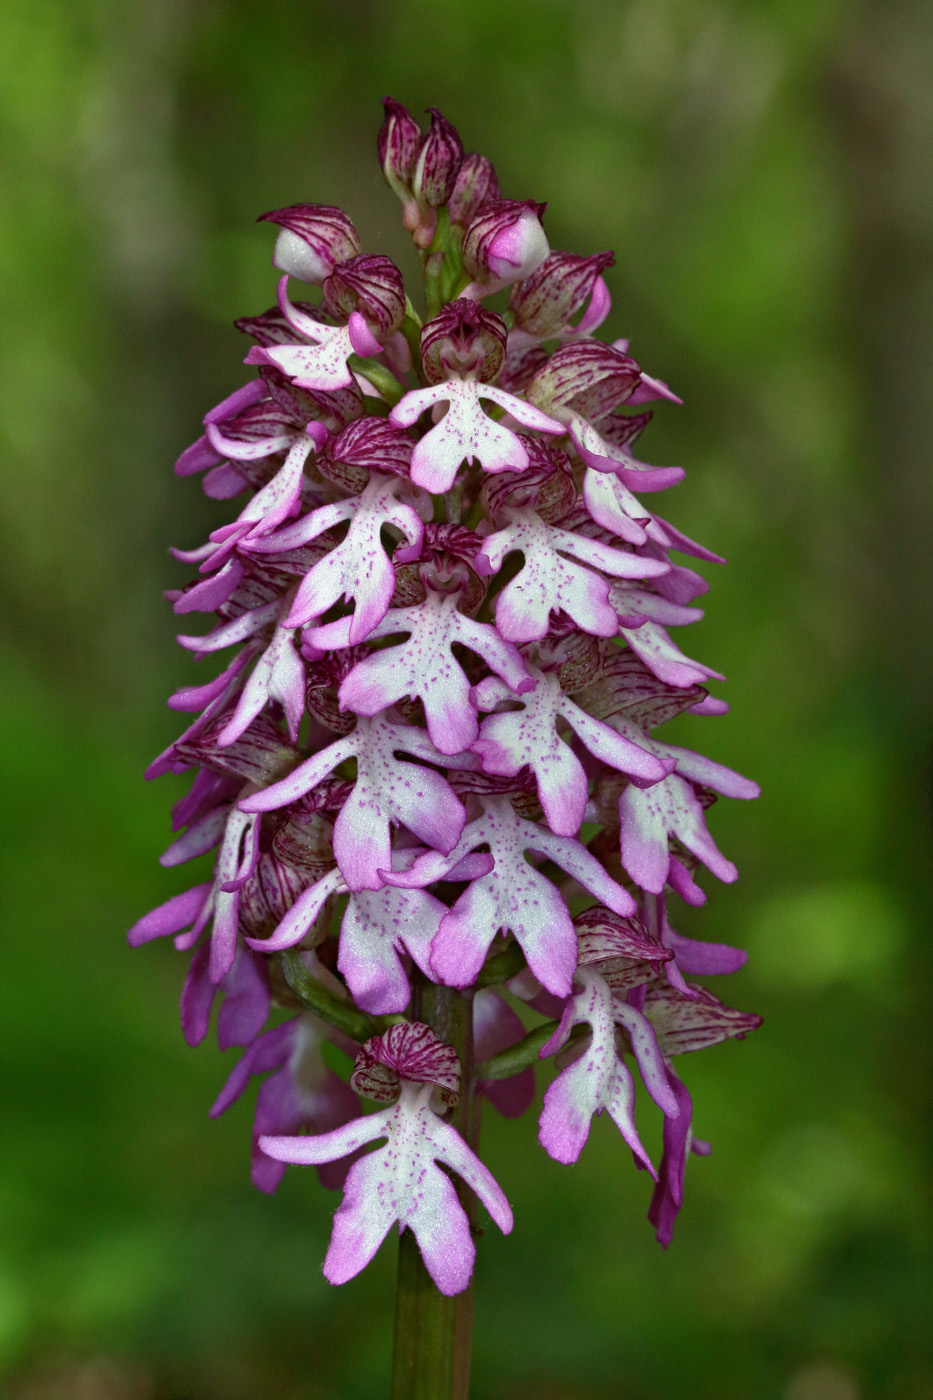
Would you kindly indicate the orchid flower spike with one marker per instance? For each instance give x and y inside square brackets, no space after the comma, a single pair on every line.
[447,839]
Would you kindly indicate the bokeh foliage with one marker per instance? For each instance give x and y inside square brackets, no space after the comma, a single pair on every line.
[758,168]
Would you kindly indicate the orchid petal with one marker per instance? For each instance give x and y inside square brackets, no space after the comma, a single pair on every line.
[664,659]
[376,925]
[601,457]
[598,1079]
[323,366]
[647,817]
[279,674]
[425,666]
[401,1183]
[171,916]
[358,568]
[548,580]
[466,432]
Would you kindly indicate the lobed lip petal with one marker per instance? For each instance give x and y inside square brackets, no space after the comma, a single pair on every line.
[514,895]
[466,433]
[401,1182]
[358,567]
[377,927]
[648,818]
[278,675]
[597,1080]
[321,366]
[653,645]
[557,575]
[424,666]
[386,790]
[509,741]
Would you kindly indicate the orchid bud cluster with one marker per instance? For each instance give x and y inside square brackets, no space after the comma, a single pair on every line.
[432,761]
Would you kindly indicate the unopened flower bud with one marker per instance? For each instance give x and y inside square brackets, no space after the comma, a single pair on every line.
[314,238]
[437,163]
[505,242]
[544,303]
[476,185]
[400,139]
[464,340]
[588,377]
[371,285]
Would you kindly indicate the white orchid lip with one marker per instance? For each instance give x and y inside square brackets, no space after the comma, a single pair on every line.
[401,1184]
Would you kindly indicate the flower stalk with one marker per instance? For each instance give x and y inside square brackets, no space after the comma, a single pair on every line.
[316,997]
[447,838]
[433,1333]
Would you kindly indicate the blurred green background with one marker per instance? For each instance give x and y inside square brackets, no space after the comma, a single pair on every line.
[762,169]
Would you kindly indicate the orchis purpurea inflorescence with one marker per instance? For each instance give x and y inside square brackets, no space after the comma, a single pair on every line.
[447,837]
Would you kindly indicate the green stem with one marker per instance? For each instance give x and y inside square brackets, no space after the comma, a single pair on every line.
[411,330]
[317,998]
[431,1359]
[383,379]
[524,1052]
[502,967]
[444,278]
[518,1056]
